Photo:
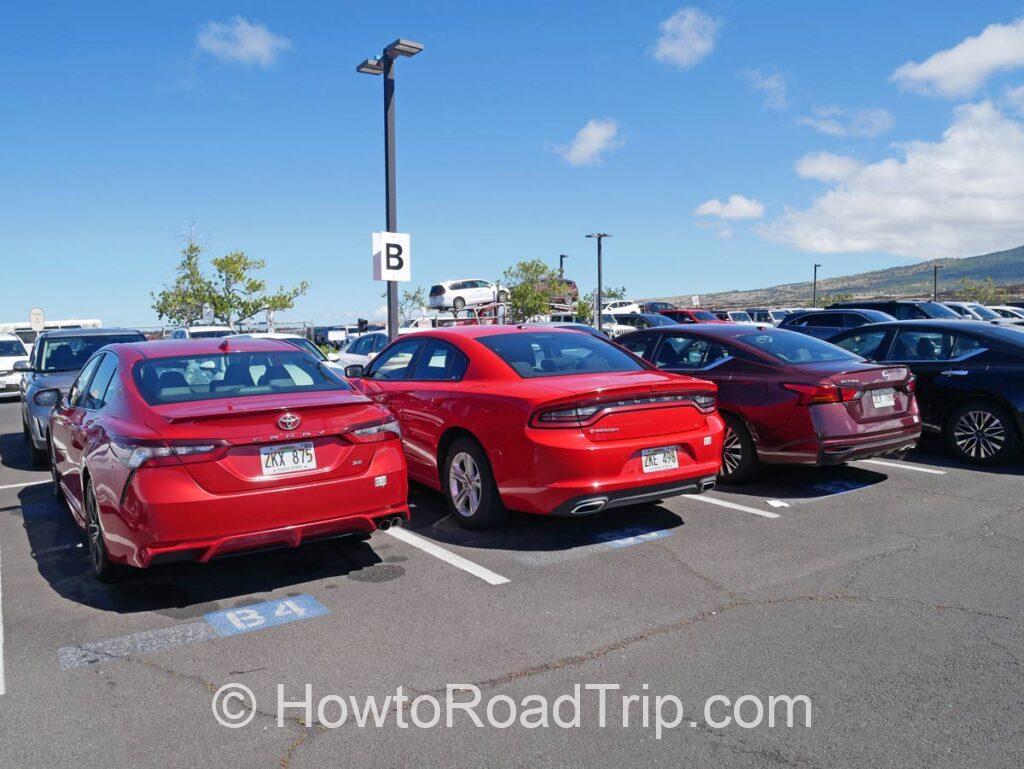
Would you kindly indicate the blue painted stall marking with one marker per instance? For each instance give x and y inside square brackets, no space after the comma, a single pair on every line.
[259,616]
[632,536]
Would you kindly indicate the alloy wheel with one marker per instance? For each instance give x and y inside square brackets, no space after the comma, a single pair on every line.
[464,484]
[92,530]
[732,451]
[979,434]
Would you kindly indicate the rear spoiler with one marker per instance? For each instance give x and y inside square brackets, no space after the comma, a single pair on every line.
[202,410]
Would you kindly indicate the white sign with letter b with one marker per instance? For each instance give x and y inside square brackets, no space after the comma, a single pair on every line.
[391,256]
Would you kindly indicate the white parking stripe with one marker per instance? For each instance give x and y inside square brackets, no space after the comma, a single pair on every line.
[22,485]
[733,505]
[904,466]
[437,551]
[2,684]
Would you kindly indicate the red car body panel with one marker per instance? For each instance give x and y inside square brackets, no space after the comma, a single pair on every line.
[203,507]
[540,469]
[786,431]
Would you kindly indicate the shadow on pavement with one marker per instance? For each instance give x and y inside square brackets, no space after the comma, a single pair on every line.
[14,452]
[805,483]
[183,590]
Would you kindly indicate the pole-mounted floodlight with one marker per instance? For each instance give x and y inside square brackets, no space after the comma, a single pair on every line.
[384,65]
[599,236]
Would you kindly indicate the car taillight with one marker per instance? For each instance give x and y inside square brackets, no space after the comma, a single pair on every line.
[134,453]
[375,432]
[910,385]
[589,411]
[811,395]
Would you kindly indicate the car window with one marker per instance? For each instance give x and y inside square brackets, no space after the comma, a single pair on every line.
[380,341]
[80,385]
[638,344]
[793,347]
[393,364]
[908,312]
[95,396]
[922,345]
[541,354]
[11,347]
[69,353]
[362,346]
[965,345]
[867,344]
[824,320]
[440,362]
[680,351]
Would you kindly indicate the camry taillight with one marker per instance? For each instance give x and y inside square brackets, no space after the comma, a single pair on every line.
[814,394]
[134,453]
[580,414]
[375,432]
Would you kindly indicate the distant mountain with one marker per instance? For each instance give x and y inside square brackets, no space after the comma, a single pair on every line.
[1006,268]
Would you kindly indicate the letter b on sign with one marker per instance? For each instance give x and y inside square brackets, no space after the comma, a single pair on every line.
[391,256]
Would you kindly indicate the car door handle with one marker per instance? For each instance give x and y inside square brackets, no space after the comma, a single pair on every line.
[954,372]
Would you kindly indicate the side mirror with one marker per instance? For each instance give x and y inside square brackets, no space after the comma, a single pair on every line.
[49,397]
[355,371]
[333,357]
[22,365]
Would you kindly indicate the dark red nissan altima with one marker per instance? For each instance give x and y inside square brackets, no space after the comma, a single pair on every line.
[788,398]
[182,450]
[549,421]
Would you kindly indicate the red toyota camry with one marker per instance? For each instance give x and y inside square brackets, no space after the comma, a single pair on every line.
[549,421]
[788,398]
[183,450]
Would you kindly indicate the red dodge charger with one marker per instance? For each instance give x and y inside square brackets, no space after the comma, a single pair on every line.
[549,421]
[193,449]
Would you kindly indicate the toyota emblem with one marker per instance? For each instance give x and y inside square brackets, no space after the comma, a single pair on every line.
[288,421]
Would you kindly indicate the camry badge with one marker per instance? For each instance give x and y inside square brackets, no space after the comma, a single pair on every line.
[288,421]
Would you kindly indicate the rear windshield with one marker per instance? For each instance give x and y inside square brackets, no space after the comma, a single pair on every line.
[211,334]
[793,347]
[740,317]
[704,315]
[11,347]
[69,353]
[539,354]
[232,375]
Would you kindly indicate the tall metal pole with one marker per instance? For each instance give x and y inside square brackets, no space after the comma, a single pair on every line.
[600,238]
[935,282]
[390,183]
[814,291]
[561,264]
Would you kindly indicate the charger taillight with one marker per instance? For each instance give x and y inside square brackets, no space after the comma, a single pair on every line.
[587,412]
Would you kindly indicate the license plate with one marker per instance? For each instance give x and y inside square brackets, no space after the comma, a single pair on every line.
[289,458]
[883,398]
[659,459]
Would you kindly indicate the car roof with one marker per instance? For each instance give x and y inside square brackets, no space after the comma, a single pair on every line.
[266,335]
[8,337]
[63,333]
[720,330]
[169,348]
[478,331]
[207,328]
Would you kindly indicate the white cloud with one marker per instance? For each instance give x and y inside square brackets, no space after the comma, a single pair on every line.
[963,69]
[241,41]
[771,85]
[826,167]
[687,36]
[1015,98]
[591,142]
[837,121]
[959,196]
[736,207]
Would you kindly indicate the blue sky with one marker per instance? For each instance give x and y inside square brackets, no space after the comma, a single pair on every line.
[724,144]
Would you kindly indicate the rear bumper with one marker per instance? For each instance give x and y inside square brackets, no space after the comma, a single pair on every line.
[588,504]
[834,451]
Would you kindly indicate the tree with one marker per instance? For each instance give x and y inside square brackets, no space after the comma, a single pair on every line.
[981,291]
[585,307]
[233,293]
[531,284]
[840,296]
[613,293]
[411,303]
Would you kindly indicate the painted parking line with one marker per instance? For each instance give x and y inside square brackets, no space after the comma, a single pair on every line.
[904,466]
[488,576]
[23,485]
[733,506]
[3,685]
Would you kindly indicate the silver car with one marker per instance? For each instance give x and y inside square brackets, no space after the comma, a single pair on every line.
[57,357]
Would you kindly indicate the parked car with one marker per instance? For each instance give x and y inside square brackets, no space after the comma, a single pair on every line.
[363,349]
[12,351]
[970,380]
[901,309]
[460,293]
[973,311]
[586,328]
[544,421]
[788,398]
[612,327]
[57,357]
[619,306]
[185,450]
[297,340]
[1006,311]
[734,316]
[683,315]
[773,317]
[656,306]
[643,320]
[827,323]
[201,332]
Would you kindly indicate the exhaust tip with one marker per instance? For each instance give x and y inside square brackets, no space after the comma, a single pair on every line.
[397,521]
[384,524]
[707,485]
[589,506]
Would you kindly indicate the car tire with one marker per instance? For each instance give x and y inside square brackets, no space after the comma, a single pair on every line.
[503,296]
[458,303]
[25,432]
[739,455]
[982,433]
[58,492]
[103,568]
[469,487]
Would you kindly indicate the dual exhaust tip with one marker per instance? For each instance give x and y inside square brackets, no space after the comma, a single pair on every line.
[386,523]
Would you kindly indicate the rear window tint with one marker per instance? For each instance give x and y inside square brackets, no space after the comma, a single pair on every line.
[232,375]
[538,354]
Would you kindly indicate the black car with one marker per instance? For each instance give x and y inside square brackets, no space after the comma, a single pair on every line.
[642,320]
[970,379]
[901,309]
[825,324]
[656,307]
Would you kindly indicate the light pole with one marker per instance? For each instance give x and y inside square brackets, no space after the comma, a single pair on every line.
[385,65]
[935,281]
[561,264]
[814,290]
[599,236]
